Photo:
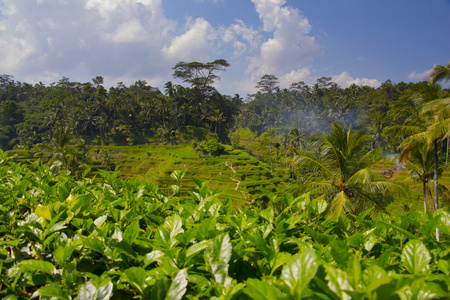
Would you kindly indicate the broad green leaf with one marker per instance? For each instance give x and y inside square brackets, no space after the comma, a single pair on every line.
[258,289]
[421,290]
[178,287]
[136,276]
[54,291]
[354,268]
[280,260]
[100,220]
[318,206]
[401,230]
[343,223]
[131,232]
[219,249]
[153,256]
[196,248]
[79,203]
[43,211]
[299,271]
[340,252]
[415,257]
[62,254]
[93,244]
[33,265]
[319,237]
[374,276]
[96,289]
[174,225]
[268,214]
[338,281]
[220,272]
[444,266]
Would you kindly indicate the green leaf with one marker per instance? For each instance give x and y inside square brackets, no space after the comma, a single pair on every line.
[100,220]
[421,289]
[33,265]
[62,254]
[258,289]
[196,248]
[338,281]
[174,225]
[153,256]
[415,257]
[43,211]
[374,276]
[343,223]
[96,289]
[54,291]
[93,244]
[299,271]
[401,230]
[178,287]
[319,237]
[318,206]
[131,232]
[443,265]
[136,276]
[340,252]
[219,249]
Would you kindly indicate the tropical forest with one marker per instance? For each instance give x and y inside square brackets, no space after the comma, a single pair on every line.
[307,192]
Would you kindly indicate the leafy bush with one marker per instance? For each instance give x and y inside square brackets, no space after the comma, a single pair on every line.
[212,146]
[113,239]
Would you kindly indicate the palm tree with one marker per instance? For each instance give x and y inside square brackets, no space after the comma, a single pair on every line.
[64,151]
[297,138]
[419,161]
[431,125]
[344,177]
[440,73]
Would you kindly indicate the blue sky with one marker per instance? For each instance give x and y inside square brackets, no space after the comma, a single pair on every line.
[361,42]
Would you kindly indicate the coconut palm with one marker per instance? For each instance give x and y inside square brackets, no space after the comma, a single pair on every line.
[419,161]
[431,125]
[344,177]
[64,151]
[297,138]
[440,73]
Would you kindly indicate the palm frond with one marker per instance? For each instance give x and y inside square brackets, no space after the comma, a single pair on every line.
[314,165]
[339,205]
[439,129]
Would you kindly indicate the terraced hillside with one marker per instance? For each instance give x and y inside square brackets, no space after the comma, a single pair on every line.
[235,174]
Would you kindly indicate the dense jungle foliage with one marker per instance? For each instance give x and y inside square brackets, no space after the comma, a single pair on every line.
[139,113]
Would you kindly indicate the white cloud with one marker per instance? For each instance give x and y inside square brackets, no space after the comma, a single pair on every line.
[193,44]
[242,37]
[420,76]
[127,40]
[128,32]
[291,45]
[303,74]
[52,38]
[345,80]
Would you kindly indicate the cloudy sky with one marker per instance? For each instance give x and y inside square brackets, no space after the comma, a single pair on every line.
[353,41]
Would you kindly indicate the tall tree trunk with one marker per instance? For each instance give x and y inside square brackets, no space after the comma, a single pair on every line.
[436,190]
[424,197]
[446,156]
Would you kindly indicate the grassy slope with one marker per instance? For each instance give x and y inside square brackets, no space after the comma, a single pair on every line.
[236,174]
